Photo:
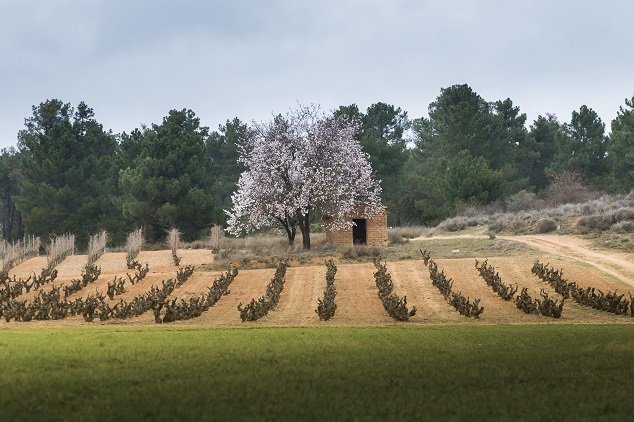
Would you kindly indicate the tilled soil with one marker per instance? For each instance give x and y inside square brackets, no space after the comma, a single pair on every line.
[357,300]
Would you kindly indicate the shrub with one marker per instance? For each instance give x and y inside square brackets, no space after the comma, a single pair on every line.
[624,227]
[216,234]
[256,309]
[11,254]
[59,248]
[546,225]
[596,222]
[568,187]
[326,307]
[445,285]
[394,238]
[453,224]
[408,232]
[358,251]
[624,214]
[133,245]
[522,201]
[97,246]
[173,239]
[394,305]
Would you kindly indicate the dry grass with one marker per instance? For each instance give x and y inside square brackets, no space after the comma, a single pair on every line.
[133,244]
[11,254]
[97,246]
[173,240]
[398,235]
[264,250]
[216,235]
[59,248]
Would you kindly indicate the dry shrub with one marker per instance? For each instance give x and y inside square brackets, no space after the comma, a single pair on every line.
[523,200]
[453,224]
[546,225]
[479,210]
[569,187]
[624,227]
[59,248]
[394,238]
[11,254]
[216,235]
[173,239]
[596,222]
[359,251]
[496,226]
[624,214]
[97,246]
[133,245]
[408,232]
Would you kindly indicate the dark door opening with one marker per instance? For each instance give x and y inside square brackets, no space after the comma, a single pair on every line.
[359,234]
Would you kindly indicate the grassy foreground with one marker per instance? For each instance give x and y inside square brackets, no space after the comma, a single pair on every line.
[459,372]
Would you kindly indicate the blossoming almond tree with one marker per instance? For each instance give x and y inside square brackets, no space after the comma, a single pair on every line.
[299,166]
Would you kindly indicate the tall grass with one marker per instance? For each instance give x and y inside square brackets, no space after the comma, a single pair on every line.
[59,248]
[402,234]
[173,239]
[11,254]
[216,235]
[133,245]
[97,246]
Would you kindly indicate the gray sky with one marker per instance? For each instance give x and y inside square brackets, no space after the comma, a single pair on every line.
[133,61]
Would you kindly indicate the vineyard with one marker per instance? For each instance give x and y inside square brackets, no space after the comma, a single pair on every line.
[148,287]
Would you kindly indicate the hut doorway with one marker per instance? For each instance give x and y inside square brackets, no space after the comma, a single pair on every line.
[359,233]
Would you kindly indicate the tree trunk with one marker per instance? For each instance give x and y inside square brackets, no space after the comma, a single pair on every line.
[290,229]
[304,226]
[20,226]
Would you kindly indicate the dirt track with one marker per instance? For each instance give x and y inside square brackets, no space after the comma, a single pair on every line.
[618,265]
[357,301]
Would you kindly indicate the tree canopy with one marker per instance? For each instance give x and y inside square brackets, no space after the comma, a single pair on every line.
[169,181]
[299,166]
[69,173]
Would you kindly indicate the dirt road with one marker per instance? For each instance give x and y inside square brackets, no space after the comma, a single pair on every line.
[615,264]
[618,265]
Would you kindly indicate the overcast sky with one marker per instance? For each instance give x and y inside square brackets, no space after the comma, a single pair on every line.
[133,61]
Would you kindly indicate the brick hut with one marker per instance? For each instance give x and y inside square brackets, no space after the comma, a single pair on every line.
[365,231]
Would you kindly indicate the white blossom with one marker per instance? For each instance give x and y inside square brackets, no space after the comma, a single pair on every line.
[301,163]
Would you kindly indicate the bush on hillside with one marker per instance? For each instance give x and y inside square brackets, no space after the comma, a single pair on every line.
[546,225]
[568,187]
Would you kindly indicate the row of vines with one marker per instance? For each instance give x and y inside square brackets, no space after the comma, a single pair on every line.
[545,306]
[462,304]
[56,302]
[612,302]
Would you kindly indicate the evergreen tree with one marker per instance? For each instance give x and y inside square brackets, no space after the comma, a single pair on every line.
[466,152]
[381,135]
[168,180]
[68,172]
[223,151]
[621,148]
[10,173]
[582,147]
[538,152]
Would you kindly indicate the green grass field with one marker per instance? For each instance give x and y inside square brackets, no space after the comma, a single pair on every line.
[535,372]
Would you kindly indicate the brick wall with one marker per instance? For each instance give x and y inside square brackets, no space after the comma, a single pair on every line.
[376,229]
[376,232]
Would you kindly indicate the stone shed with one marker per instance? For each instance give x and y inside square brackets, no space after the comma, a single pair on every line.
[365,231]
